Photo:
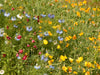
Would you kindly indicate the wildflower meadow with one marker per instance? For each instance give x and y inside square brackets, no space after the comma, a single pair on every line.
[49,37]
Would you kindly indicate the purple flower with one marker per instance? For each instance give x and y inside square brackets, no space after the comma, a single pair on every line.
[51,16]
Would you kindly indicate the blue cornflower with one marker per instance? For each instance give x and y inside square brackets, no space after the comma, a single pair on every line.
[51,16]
[51,66]
[60,32]
[18,57]
[35,18]
[1,32]
[46,34]
[61,21]
[27,15]
[6,14]
[13,18]
[40,38]
[43,15]
[29,28]
[15,26]
[44,58]
[37,67]
[60,39]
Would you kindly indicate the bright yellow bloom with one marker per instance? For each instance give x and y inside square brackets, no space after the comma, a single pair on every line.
[81,33]
[58,46]
[79,59]
[94,9]
[45,42]
[64,68]
[67,38]
[71,60]
[54,27]
[87,73]
[83,70]
[78,14]
[84,2]
[88,64]
[69,69]
[50,56]
[49,33]
[63,58]
[75,72]
[46,54]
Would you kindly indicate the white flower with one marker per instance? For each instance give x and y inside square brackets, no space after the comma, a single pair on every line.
[19,16]
[37,67]
[1,5]
[1,32]
[1,71]
[13,18]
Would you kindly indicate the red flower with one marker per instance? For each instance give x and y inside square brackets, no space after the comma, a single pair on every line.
[39,53]
[21,51]
[4,55]
[7,27]
[24,58]
[8,38]
[19,37]
[27,20]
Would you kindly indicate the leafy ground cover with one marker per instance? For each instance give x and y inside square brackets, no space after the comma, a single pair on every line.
[49,37]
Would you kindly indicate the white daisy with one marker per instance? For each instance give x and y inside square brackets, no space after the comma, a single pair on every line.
[1,71]
[19,16]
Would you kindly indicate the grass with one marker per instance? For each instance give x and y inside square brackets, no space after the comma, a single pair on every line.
[79,46]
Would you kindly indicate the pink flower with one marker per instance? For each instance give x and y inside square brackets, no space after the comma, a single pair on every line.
[28,45]
[13,8]
[39,53]
[35,46]
[19,37]
[17,55]
[24,58]
[21,51]
[33,41]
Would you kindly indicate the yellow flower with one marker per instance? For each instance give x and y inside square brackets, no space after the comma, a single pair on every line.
[50,61]
[79,59]
[58,46]
[49,33]
[71,60]
[75,23]
[84,2]
[94,9]
[54,27]
[78,14]
[87,73]
[63,58]
[81,33]
[67,44]
[50,56]
[67,38]
[69,69]
[46,54]
[83,70]
[88,64]
[75,72]
[45,42]
[64,68]
[91,38]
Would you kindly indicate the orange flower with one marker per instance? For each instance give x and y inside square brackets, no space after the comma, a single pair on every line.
[56,0]
[74,37]
[78,14]
[64,30]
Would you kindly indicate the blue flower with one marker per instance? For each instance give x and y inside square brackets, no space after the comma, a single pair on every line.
[29,28]
[60,32]
[51,16]
[60,39]
[35,18]
[2,11]
[43,15]
[46,34]
[1,32]
[18,57]
[45,59]
[61,21]
[13,18]
[6,14]
[40,38]
[15,26]
[51,66]
[27,15]
[37,67]
[42,57]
